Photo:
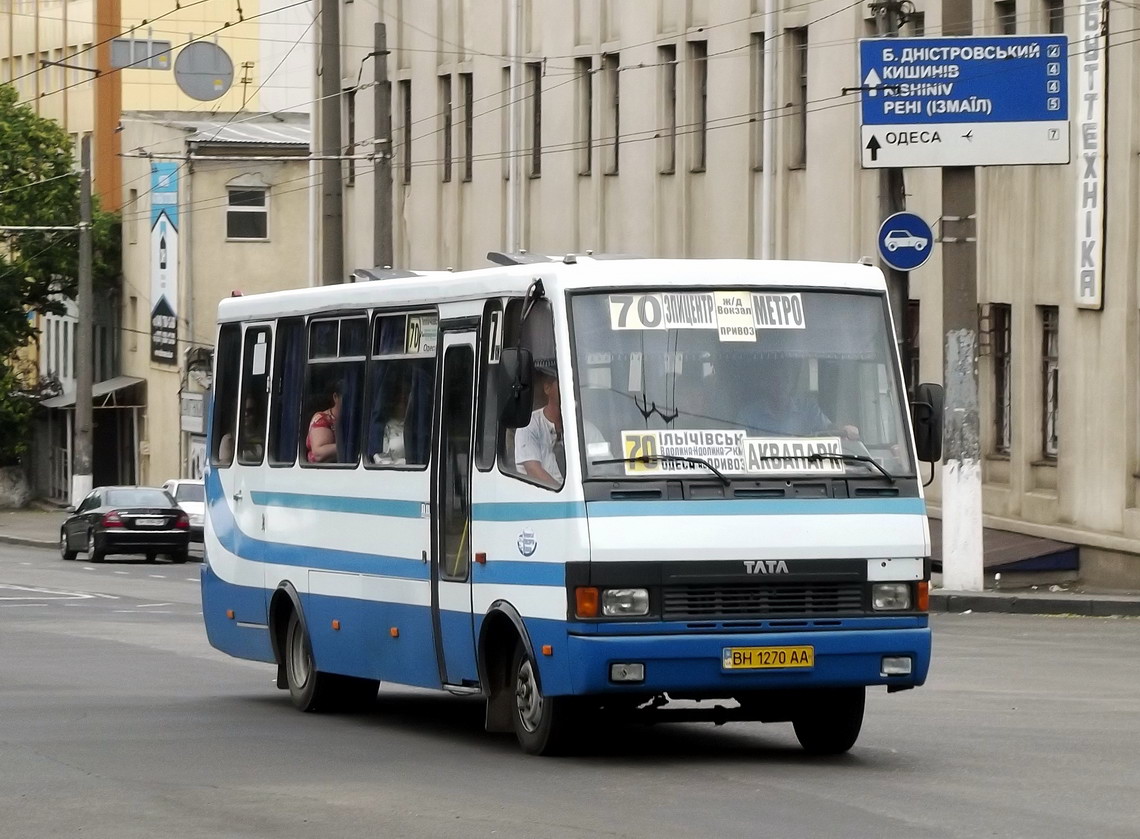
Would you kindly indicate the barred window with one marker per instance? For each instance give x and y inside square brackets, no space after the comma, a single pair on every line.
[1001,332]
[1050,345]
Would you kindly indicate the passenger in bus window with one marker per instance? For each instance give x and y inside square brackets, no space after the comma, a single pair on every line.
[320,442]
[252,431]
[540,453]
[392,449]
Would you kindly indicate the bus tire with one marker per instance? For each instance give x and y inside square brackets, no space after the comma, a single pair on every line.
[543,724]
[829,724]
[309,689]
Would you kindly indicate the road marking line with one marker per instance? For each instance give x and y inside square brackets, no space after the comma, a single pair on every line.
[150,605]
[157,576]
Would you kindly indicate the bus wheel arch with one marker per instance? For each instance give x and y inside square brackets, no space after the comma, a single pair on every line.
[284,602]
[502,632]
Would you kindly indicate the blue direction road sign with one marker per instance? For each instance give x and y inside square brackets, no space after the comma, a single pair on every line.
[971,101]
[905,241]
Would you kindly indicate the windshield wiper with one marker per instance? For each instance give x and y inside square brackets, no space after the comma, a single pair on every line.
[664,458]
[850,458]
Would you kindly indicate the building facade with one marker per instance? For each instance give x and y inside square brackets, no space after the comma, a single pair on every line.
[642,130]
[226,214]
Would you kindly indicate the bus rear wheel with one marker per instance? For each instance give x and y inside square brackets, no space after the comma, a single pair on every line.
[308,688]
[312,690]
[544,725]
[829,723]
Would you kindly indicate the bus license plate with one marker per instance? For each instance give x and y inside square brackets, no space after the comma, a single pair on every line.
[767,658]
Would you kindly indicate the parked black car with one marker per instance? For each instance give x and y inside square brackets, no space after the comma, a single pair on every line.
[126,520]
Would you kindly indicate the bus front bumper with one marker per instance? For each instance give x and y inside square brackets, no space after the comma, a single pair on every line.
[696,663]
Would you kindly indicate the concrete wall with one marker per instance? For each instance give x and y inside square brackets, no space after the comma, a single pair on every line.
[826,209]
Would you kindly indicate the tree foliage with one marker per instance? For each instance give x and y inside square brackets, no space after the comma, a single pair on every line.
[39,186]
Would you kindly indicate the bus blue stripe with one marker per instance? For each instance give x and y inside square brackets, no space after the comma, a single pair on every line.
[234,540]
[340,504]
[521,573]
[527,510]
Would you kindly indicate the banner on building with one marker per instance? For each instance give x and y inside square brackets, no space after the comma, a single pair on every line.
[1092,56]
[164,262]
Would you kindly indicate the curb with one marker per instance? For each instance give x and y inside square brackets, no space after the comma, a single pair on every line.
[27,541]
[1084,605]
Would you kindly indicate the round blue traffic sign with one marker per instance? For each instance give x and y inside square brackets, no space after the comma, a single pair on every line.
[905,241]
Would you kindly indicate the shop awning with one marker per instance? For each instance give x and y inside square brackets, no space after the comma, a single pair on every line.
[103,393]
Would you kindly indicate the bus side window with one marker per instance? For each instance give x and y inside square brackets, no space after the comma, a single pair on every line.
[224,421]
[334,390]
[288,380]
[487,409]
[254,396]
[536,452]
[401,376]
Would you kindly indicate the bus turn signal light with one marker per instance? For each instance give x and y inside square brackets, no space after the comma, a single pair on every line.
[586,602]
[924,596]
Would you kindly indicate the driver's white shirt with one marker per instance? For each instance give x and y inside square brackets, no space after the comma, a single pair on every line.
[536,443]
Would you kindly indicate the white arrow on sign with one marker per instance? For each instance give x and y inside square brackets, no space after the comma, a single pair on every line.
[871,83]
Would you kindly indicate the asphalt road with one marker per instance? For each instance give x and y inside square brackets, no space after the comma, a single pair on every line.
[118,720]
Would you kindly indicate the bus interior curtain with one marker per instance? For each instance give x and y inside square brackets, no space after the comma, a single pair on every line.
[351,411]
[289,393]
[417,432]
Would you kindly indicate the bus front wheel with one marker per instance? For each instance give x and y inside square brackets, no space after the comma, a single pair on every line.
[829,723]
[543,724]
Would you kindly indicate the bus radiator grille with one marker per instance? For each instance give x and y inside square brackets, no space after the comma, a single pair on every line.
[720,601]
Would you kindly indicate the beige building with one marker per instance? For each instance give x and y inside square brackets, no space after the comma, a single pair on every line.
[210,61]
[642,131]
[234,218]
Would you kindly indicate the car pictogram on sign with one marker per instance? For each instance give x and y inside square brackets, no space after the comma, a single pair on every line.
[896,239]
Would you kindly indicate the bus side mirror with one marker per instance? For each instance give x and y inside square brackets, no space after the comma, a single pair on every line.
[516,395]
[926,414]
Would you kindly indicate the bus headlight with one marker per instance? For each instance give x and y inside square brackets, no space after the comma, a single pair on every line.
[625,602]
[890,597]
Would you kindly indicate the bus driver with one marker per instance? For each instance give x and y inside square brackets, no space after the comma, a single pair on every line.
[539,450]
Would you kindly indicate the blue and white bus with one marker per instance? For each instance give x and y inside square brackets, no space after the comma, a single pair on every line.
[674,489]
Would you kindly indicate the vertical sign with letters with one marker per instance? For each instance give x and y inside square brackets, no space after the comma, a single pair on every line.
[1091,141]
[164,262]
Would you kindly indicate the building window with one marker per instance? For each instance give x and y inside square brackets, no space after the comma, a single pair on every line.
[445,113]
[132,217]
[585,70]
[405,88]
[1050,403]
[797,148]
[699,101]
[756,99]
[1001,337]
[467,92]
[915,25]
[1005,17]
[349,97]
[611,130]
[534,100]
[667,139]
[247,215]
[1055,17]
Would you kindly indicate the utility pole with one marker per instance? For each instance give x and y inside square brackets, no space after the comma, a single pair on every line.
[382,164]
[892,192]
[81,479]
[332,211]
[962,565]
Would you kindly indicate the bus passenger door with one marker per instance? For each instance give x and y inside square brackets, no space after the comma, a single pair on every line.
[451,512]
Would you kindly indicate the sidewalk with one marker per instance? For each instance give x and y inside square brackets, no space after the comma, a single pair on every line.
[40,529]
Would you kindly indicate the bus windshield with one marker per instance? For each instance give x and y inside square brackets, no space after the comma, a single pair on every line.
[755,382]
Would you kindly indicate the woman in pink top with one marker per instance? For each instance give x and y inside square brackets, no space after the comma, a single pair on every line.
[320,443]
